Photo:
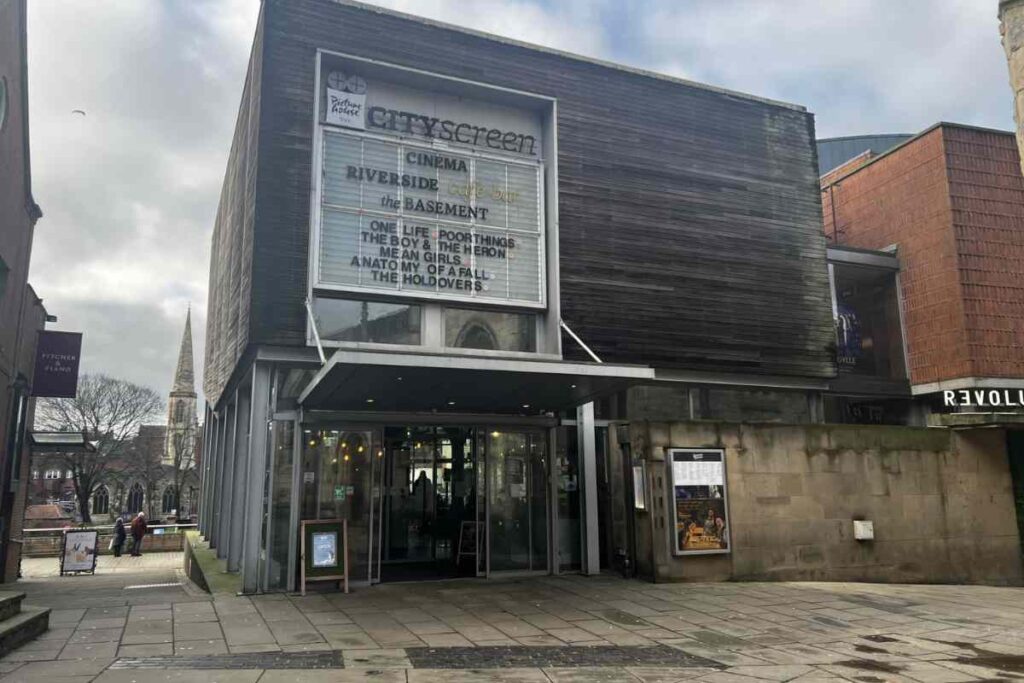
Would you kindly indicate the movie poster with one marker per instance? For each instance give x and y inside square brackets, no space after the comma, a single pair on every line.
[79,551]
[325,549]
[699,505]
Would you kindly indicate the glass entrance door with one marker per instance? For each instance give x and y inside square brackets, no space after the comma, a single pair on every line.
[429,485]
[517,488]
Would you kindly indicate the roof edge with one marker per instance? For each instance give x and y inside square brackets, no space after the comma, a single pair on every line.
[926,131]
[569,55]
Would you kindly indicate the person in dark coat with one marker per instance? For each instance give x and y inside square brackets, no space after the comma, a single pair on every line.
[138,529]
[119,535]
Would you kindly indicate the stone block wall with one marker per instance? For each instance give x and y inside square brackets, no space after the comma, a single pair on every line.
[941,502]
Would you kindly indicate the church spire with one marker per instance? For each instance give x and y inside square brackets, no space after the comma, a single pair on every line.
[184,375]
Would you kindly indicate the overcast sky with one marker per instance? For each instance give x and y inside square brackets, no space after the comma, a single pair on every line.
[129,191]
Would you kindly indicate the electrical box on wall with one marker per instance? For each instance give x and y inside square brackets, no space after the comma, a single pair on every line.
[863,530]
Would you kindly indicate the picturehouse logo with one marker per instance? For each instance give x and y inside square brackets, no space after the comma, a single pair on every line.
[346,101]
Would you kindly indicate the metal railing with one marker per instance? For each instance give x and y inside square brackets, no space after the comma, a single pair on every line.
[101,528]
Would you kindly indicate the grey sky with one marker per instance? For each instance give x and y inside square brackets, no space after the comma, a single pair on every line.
[129,191]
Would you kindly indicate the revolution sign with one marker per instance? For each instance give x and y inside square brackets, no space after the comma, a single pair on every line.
[401,217]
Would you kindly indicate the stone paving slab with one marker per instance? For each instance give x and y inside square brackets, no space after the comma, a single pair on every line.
[744,631]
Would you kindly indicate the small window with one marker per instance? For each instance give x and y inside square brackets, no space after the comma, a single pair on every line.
[52,474]
[3,103]
[69,475]
[136,497]
[5,272]
[101,501]
[170,501]
[35,474]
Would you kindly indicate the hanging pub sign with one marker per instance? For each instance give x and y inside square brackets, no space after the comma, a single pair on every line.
[78,551]
[57,356]
[700,511]
[427,195]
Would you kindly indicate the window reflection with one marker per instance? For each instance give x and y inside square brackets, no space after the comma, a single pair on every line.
[367,321]
[492,330]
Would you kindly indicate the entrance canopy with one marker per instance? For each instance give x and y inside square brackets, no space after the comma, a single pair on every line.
[360,380]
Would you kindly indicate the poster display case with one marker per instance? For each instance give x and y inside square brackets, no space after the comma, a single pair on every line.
[699,498]
[324,552]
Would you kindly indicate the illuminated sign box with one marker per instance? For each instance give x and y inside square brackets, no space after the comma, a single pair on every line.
[428,195]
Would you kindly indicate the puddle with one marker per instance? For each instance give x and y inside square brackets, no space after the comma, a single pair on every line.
[870,650]
[1007,665]
[618,617]
[871,665]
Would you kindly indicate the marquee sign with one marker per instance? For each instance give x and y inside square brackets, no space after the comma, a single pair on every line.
[403,212]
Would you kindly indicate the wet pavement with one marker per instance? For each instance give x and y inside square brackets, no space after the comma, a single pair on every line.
[150,624]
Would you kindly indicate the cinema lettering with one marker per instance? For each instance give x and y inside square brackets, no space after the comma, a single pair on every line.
[401,212]
[450,131]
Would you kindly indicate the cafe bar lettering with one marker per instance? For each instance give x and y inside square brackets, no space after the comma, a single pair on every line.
[428,206]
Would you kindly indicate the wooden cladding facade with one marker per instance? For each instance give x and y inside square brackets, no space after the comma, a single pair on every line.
[689,218]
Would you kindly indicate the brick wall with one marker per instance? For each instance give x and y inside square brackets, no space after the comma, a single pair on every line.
[987,201]
[912,197]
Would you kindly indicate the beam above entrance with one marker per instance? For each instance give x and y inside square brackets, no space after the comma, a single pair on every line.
[361,380]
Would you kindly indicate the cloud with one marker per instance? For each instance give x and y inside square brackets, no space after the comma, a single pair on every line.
[129,191]
[862,66]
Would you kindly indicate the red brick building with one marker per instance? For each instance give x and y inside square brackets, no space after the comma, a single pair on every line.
[949,203]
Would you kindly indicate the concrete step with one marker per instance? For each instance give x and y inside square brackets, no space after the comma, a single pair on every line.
[10,604]
[17,630]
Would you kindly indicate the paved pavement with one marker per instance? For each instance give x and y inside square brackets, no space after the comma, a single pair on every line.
[41,567]
[128,626]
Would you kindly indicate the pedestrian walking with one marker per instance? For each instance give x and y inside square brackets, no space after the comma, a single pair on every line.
[138,529]
[119,536]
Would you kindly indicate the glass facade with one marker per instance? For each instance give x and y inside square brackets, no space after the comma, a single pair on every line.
[491,330]
[348,320]
[282,451]
[423,502]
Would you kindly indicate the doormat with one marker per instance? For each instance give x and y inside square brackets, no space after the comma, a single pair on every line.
[499,656]
[485,657]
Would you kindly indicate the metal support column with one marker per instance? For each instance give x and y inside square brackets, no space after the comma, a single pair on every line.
[204,470]
[238,497]
[218,478]
[259,416]
[227,453]
[587,445]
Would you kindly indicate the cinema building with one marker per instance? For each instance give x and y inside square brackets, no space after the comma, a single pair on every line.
[508,311]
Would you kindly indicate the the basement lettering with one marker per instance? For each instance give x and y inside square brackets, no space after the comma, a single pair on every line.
[418,256]
[411,123]
[412,181]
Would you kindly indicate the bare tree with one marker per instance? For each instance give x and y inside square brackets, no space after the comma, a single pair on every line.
[108,411]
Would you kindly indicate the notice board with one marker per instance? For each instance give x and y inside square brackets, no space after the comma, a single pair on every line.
[700,506]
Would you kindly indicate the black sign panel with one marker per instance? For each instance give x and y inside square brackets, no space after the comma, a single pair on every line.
[57,357]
